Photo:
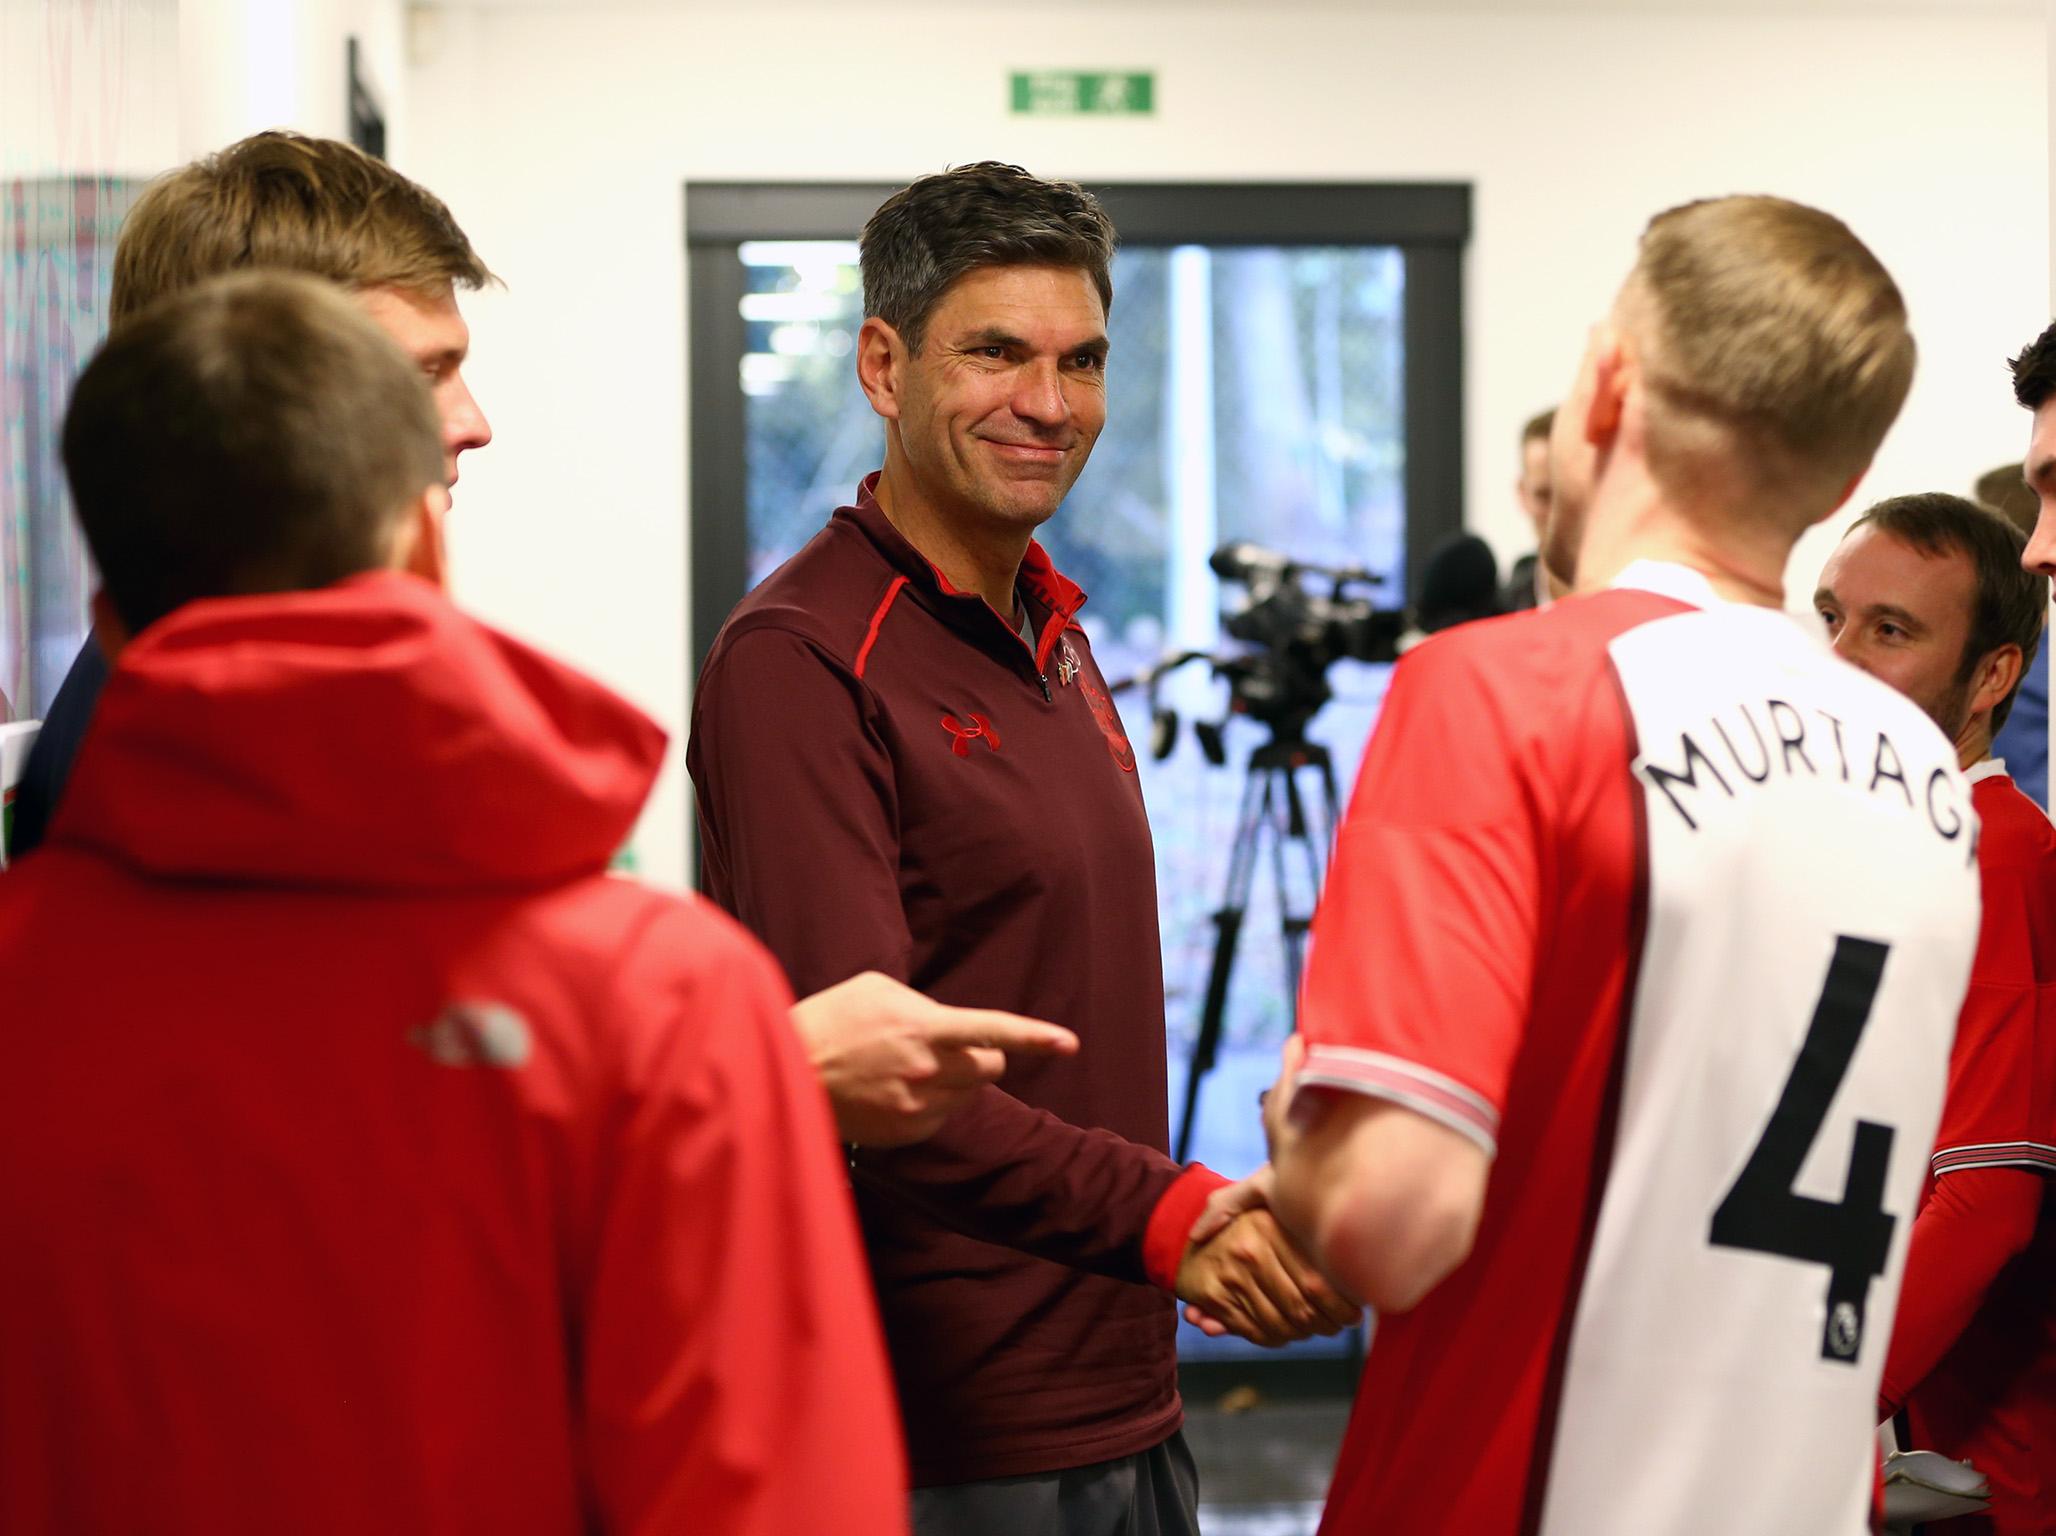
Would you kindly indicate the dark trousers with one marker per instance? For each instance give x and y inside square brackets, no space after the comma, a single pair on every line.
[1154,1493]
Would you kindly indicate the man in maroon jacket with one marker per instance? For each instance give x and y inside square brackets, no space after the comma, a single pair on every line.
[369,1159]
[907,761]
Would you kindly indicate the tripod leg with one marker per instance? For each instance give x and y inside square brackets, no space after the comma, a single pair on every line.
[1331,806]
[1312,841]
[1256,799]
[1291,927]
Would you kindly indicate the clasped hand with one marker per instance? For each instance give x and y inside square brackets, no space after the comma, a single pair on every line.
[1243,1274]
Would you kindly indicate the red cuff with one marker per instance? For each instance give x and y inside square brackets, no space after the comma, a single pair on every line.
[1170,1224]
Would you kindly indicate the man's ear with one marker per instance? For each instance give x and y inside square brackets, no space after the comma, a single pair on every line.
[109,633]
[1996,676]
[1611,371]
[418,542]
[881,357]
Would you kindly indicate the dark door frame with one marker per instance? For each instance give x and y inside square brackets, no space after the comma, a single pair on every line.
[1429,221]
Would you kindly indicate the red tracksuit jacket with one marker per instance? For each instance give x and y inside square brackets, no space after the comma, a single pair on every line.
[369,1161]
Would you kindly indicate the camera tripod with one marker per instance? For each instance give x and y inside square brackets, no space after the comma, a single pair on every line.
[1273,804]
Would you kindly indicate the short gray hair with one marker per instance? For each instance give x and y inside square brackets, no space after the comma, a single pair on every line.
[923,239]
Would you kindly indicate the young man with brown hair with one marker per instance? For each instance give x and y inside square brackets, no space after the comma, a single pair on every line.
[906,760]
[402,1172]
[895,1064]
[1928,594]
[2034,390]
[298,204]
[2023,741]
[1625,1024]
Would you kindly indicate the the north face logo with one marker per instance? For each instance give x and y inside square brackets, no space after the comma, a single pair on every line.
[474,1035]
[961,735]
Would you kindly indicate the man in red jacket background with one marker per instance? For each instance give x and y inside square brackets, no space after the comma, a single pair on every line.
[369,1160]
[907,761]
[1928,593]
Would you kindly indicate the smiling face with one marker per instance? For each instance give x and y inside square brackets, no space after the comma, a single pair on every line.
[998,410]
[1904,617]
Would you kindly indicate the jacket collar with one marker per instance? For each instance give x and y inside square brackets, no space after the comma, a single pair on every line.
[1046,586]
[367,736]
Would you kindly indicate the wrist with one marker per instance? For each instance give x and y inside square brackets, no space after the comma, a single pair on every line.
[1170,1223]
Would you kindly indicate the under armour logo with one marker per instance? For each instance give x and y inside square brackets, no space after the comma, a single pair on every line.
[474,1035]
[961,735]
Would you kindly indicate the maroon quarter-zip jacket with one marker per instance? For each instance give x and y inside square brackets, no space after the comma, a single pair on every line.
[889,778]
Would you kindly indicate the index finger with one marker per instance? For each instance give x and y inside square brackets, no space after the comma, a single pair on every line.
[959,1028]
[967,1068]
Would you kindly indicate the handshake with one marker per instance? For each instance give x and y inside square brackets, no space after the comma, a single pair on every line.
[896,1065]
[1243,1274]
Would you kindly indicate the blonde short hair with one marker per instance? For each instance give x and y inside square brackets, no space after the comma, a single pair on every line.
[1776,346]
[289,202]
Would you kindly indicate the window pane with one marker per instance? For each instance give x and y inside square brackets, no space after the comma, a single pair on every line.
[56,270]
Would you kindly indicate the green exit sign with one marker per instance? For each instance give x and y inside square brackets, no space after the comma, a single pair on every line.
[1083,93]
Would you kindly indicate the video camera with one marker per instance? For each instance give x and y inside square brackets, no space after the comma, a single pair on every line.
[1300,618]
[1296,620]
[1297,632]
[1294,632]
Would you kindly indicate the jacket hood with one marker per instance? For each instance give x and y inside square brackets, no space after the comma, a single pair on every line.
[365,736]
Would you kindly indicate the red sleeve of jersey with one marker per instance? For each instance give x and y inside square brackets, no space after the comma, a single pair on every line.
[1424,945]
[733,1375]
[1972,1224]
[1997,1112]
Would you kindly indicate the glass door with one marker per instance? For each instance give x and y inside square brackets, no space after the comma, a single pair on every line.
[1264,390]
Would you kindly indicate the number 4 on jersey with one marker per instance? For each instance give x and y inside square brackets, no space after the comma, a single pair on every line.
[1762,1212]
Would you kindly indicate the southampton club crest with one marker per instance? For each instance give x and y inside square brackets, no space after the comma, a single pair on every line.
[1068,664]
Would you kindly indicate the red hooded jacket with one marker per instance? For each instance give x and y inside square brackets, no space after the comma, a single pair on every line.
[369,1161]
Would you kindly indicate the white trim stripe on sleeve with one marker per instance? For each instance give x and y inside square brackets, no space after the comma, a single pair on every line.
[1995,1154]
[1421,1089]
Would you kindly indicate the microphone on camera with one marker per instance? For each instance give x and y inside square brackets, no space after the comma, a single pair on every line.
[1241,560]
[1459,582]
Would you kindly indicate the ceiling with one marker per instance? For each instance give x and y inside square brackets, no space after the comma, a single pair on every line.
[1438,7]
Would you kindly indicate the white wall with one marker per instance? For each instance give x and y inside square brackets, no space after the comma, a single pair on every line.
[561,138]
[248,65]
[87,89]
[133,87]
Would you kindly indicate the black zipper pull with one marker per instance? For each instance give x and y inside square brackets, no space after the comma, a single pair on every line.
[1043,678]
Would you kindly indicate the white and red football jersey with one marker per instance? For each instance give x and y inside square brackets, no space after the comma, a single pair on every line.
[1672,912]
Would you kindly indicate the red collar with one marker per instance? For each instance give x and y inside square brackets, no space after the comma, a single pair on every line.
[1039,577]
